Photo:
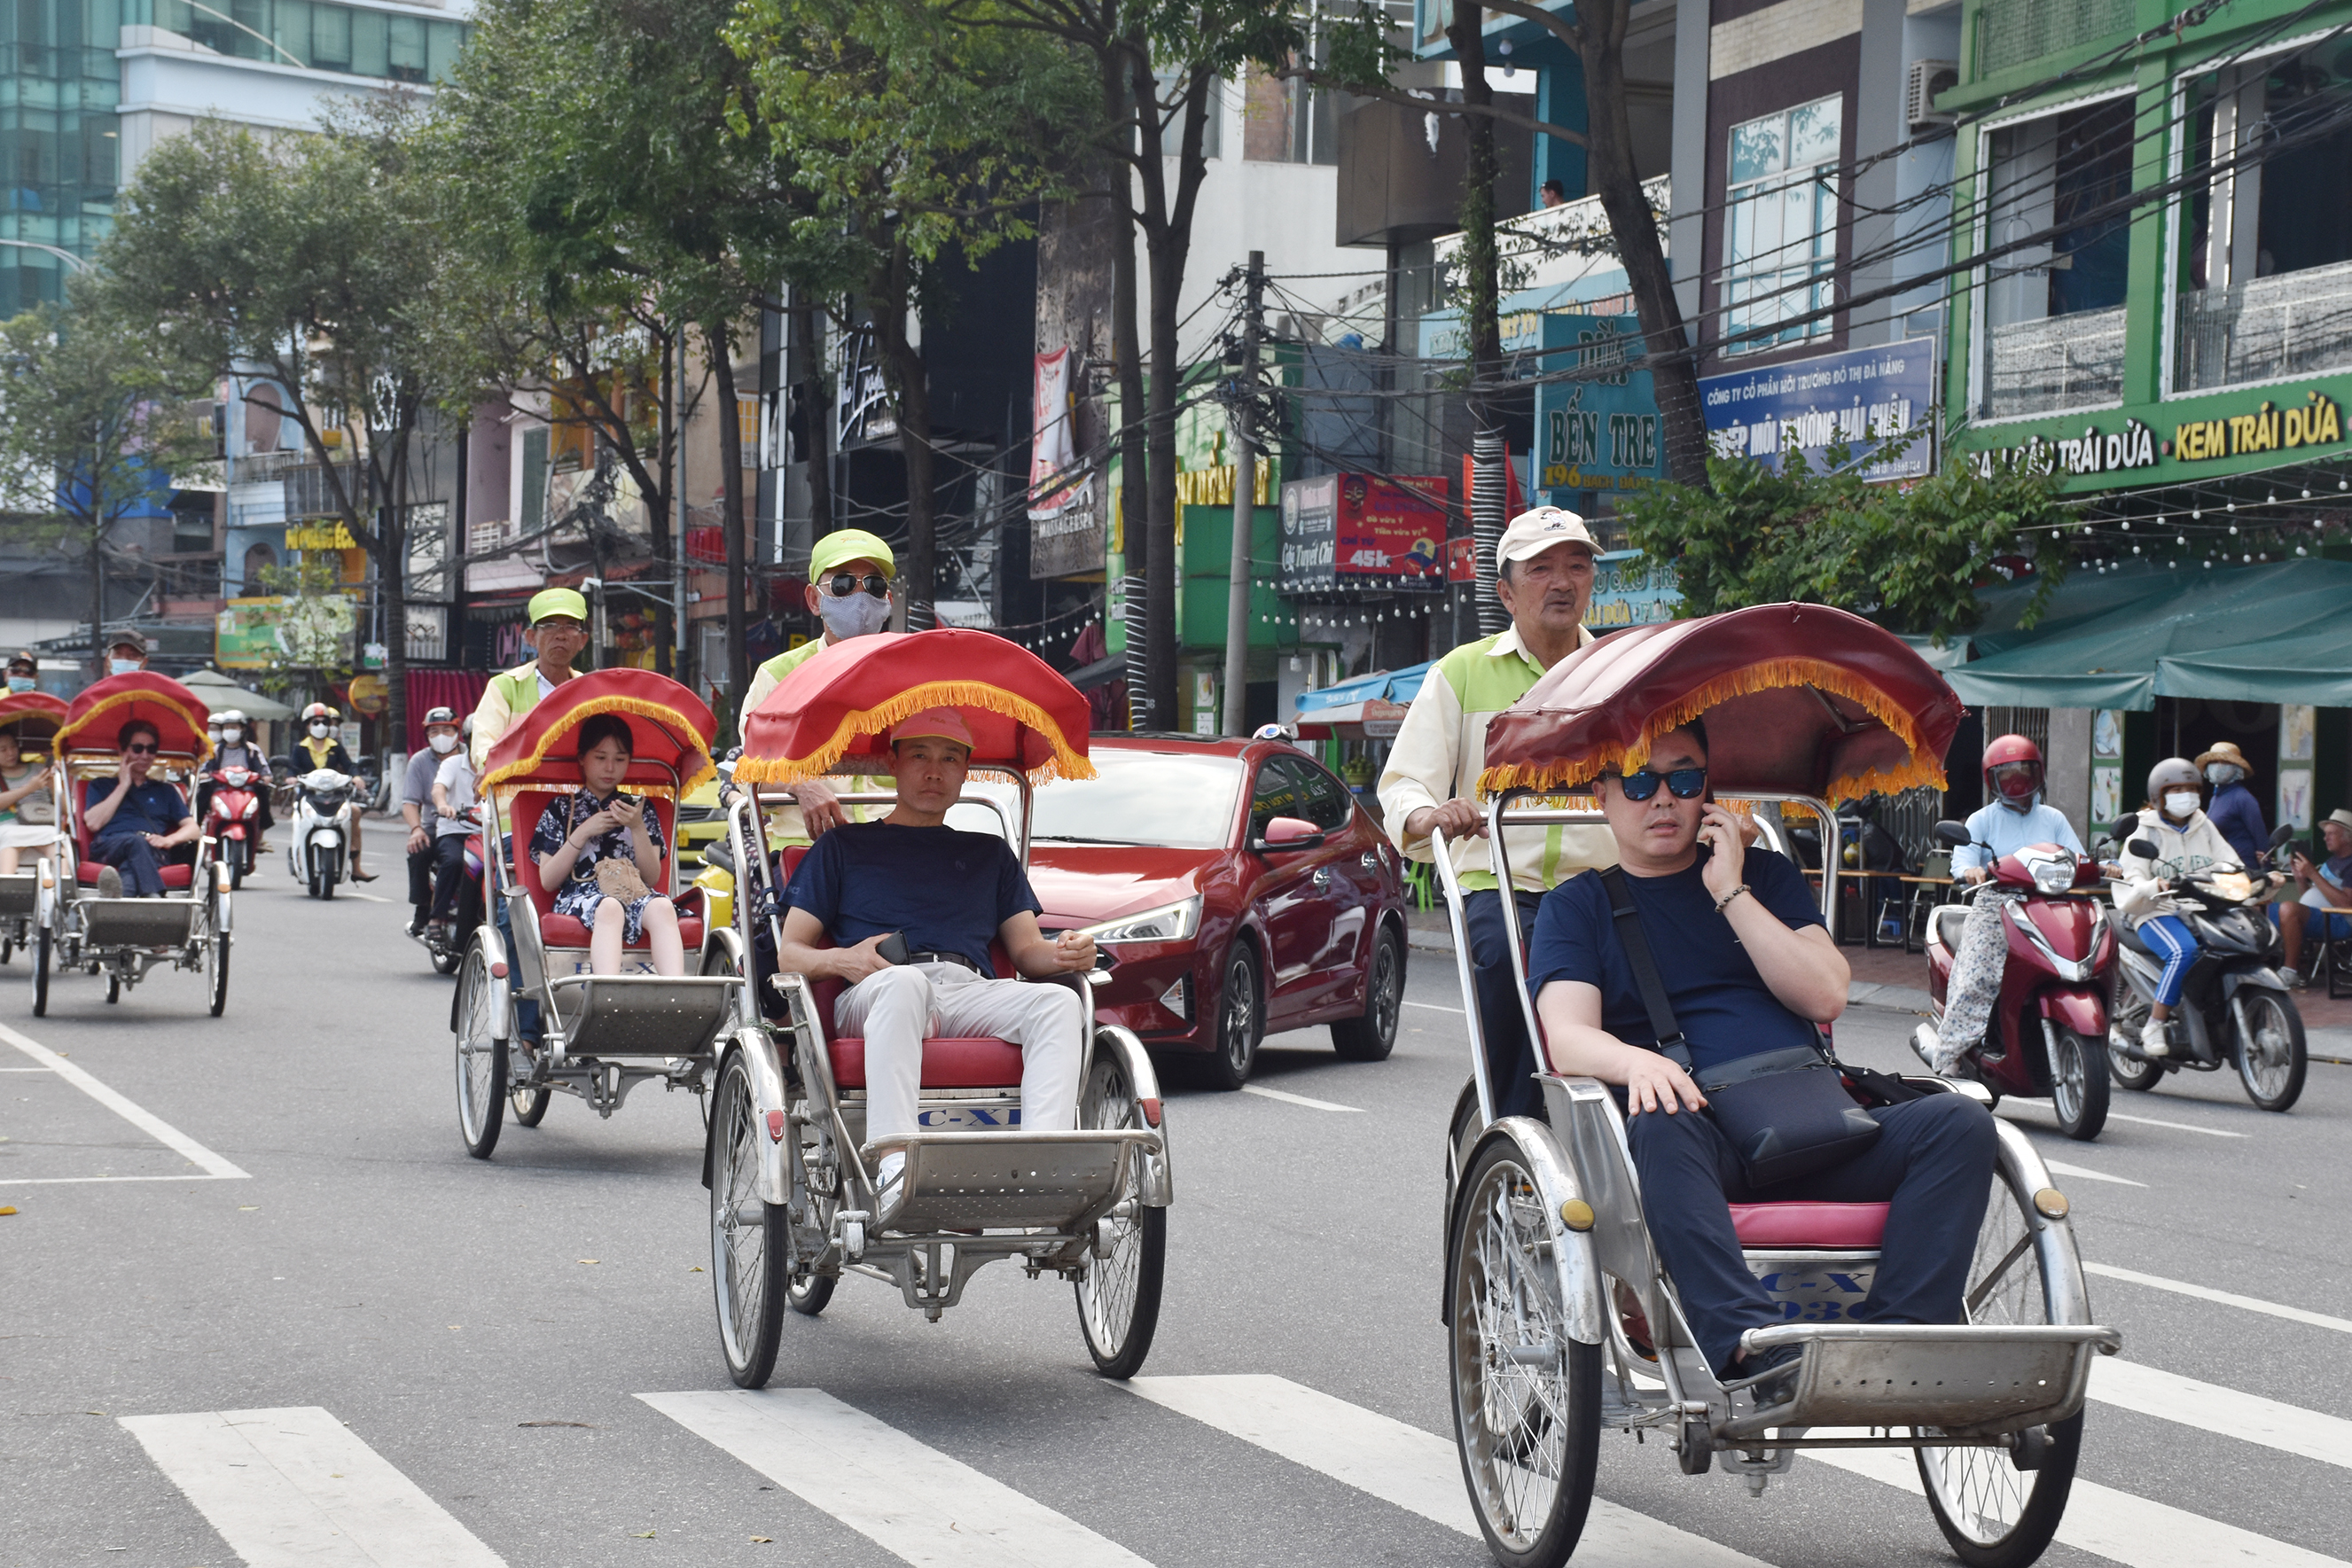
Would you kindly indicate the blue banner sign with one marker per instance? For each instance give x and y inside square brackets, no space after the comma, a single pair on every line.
[1600,431]
[1856,399]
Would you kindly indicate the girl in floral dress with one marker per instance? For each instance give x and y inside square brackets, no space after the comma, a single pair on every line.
[599,826]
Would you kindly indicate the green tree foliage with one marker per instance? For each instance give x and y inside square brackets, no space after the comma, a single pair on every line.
[93,429]
[1910,555]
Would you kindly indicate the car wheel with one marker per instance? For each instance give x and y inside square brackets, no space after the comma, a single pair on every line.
[1240,1014]
[1372,1037]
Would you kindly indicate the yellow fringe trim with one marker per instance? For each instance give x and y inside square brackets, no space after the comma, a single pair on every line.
[106,704]
[1770,675]
[1067,762]
[660,713]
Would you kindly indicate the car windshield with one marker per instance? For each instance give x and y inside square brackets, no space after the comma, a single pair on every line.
[1142,798]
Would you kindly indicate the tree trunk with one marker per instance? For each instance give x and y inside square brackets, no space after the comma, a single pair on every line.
[658,501]
[910,380]
[1134,456]
[731,468]
[817,408]
[1608,162]
[1481,300]
[391,567]
[98,595]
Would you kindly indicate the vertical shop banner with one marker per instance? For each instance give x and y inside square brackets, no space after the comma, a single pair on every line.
[1597,428]
[2107,767]
[1065,534]
[1859,400]
[2297,755]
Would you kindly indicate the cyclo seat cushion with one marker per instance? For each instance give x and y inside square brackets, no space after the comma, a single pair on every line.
[1849,1227]
[563,930]
[87,866]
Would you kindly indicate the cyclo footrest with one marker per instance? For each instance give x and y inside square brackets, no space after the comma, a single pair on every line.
[1000,1181]
[1972,1379]
[136,922]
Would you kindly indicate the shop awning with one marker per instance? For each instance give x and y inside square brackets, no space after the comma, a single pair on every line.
[2277,632]
[1383,686]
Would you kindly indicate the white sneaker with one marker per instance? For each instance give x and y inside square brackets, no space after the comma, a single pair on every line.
[109,882]
[887,1185]
[2152,1043]
[2296,980]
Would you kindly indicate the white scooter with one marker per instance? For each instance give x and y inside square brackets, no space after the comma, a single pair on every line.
[317,851]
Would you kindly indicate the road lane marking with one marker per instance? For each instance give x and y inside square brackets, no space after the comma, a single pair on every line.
[1415,1470]
[2210,1407]
[903,1495]
[2127,1528]
[371,897]
[296,1489]
[2089,1175]
[2141,1121]
[2226,1298]
[146,1120]
[1287,1098]
[1436,1007]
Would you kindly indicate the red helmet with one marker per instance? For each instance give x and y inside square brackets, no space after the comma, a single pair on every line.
[2012,768]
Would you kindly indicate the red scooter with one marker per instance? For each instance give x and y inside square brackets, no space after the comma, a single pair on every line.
[2048,1033]
[229,820]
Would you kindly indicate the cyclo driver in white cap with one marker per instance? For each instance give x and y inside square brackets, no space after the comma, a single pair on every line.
[934,897]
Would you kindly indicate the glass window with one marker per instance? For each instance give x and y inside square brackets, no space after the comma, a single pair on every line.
[371,44]
[406,48]
[330,38]
[1184,802]
[1171,127]
[1780,236]
[2053,308]
[1330,803]
[1293,787]
[2265,269]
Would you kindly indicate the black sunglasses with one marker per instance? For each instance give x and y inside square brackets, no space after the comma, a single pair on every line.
[1685,783]
[842,584]
[139,749]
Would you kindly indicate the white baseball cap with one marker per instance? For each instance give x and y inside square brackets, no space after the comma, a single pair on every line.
[1532,533]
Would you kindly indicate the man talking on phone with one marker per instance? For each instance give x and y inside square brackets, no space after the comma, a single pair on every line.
[912,904]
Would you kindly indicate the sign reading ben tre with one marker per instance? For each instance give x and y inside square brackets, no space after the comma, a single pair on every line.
[1599,430]
[1856,399]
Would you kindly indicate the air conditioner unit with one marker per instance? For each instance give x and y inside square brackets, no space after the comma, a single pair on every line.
[1922,82]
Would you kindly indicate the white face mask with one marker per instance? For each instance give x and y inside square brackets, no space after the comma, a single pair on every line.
[231,736]
[855,614]
[444,744]
[2180,802]
[320,731]
[122,667]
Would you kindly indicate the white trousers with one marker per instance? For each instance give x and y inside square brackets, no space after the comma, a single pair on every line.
[898,1009]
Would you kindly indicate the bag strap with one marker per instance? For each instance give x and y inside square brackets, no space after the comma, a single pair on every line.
[1636,943]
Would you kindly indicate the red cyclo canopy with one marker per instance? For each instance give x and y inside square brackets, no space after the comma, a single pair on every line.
[1800,699]
[98,714]
[670,730]
[32,715]
[839,706]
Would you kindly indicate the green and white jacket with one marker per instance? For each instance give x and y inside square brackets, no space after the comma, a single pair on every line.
[1441,748]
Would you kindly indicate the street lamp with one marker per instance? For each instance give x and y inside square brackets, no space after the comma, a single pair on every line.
[76,263]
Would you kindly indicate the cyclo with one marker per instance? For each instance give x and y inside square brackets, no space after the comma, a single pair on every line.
[188,927]
[1560,1318]
[529,1019]
[790,1168]
[32,718]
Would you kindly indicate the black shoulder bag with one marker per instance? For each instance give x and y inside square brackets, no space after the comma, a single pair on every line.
[1787,1112]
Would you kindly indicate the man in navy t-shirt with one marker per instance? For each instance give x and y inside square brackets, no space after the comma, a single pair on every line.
[947,895]
[1748,967]
[135,820]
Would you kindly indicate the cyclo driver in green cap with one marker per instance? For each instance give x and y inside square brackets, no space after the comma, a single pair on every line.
[850,573]
[559,630]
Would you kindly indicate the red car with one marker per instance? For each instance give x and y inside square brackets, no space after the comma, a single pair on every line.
[1239,889]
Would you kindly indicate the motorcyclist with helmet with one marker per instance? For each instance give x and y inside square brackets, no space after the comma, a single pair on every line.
[417,809]
[2186,842]
[2014,816]
[233,747]
[319,747]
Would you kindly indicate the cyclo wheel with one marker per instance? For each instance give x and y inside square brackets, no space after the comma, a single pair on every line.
[1119,1295]
[216,971]
[2273,1059]
[1527,1397]
[481,1057]
[750,1239]
[1994,1514]
[530,1104]
[41,946]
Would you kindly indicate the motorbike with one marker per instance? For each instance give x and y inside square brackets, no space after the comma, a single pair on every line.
[2052,1014]
[317,850]
[2234,1011]
[230,820]
[446,946]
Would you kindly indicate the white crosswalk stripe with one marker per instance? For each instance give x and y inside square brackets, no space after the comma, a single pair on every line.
[904,1495]
[296,1489]
[1416,1470]
[2117,1525]
[2226,1298]
[2225,1411]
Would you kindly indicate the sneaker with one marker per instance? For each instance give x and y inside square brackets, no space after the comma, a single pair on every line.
[2295,979]
[1777,1368]
[890,1186]
[109,882]
[2152,1042]
[417,926]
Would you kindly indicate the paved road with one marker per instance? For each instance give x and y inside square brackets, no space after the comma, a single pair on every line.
[457,1363]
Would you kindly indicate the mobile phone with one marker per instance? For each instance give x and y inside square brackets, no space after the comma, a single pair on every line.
[892,949]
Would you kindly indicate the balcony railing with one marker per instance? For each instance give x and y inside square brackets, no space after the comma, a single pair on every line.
[2297,323]
[2057,363]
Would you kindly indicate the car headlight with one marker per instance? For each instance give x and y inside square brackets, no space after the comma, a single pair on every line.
[1169,923]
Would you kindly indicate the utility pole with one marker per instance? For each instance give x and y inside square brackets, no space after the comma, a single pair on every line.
[677,533]
[1241,406]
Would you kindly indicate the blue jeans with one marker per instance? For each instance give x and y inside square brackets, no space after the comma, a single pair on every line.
[2169,936]
[1933,1163]
[135,858]
[1510,1054]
